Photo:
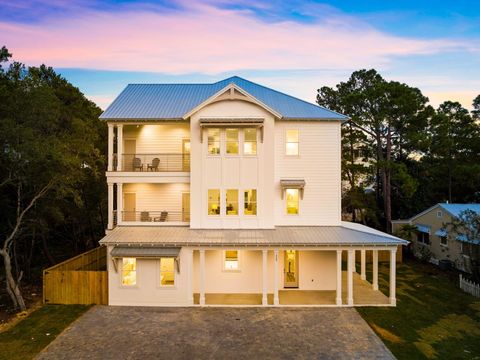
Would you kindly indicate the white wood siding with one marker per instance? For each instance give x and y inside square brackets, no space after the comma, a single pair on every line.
[158,139]
[157,197]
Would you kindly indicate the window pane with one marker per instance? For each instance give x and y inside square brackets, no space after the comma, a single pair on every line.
[167,271]
[231,260]
[232,141]
[250,202]
[250,142]
[232,202]
[129,273]
[214,141]
[291,145]
[214,202]
[292,201]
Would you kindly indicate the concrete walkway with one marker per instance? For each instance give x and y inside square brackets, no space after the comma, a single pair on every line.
[217,333]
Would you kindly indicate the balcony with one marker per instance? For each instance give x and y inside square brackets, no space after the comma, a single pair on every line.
[156,217]
[152,162]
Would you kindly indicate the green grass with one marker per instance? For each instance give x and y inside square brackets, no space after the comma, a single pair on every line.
[433,319]
[29,336]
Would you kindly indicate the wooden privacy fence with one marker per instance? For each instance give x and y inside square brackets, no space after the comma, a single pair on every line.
[79,280]
[469,287]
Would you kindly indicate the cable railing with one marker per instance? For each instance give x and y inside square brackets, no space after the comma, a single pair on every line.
[164,216]
[165,162]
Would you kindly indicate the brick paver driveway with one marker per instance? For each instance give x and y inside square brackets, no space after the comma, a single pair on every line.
[217,333]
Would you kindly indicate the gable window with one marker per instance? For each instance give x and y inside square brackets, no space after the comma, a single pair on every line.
[232,141]
[232,202]
[213,141]
[129,271]
[250,202]
[423,238]
[439,214]
[443,241]
[167,271]
[250,142]
[231,260]
[291,145]
[292,196]
[213,202]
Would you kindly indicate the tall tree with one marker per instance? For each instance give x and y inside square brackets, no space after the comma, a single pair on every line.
[476,108]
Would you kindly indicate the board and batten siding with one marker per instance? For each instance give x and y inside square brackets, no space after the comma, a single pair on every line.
[157,139]
[319,164]
[157,197]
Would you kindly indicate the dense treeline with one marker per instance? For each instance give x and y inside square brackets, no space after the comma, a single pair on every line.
[400,155]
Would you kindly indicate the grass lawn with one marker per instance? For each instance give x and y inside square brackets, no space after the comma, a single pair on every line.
[28,337]
[433,319]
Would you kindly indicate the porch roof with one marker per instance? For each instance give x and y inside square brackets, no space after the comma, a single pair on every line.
[348,234]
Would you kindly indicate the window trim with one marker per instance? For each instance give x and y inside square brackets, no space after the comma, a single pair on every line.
[244,203]
[286,202]
[244,142]
[446,241]
[226,203]
[125,286]
[224,131]
[219,204]
[219,142]
[224,259]
[439,214]
[288,142]
[159,281]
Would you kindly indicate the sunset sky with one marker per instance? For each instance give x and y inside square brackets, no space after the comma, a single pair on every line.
[294,46]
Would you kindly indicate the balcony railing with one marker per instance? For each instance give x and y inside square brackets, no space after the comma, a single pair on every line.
[155,216]
[155,162]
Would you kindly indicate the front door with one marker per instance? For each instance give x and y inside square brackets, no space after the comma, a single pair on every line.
[129,149]
[291,269]
[186,155]
[129,206]
[185,207]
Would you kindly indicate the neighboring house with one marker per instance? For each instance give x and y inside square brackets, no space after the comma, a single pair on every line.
[430,239]
[230,193]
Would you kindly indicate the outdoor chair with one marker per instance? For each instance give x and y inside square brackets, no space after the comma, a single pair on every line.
[145,216]
[137,164]
[162,217]
[154,165]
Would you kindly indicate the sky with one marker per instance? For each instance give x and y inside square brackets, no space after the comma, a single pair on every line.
[294,46]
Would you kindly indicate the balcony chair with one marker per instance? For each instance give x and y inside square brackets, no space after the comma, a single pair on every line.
[145,216]
[162,217]
[154,165]
[137,164]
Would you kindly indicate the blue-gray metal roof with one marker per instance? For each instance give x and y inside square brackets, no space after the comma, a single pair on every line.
[456,209]
[173,101]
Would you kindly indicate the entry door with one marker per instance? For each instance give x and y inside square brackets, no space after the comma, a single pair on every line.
[186,207]
[129,206]
[129,152]
[291,269]
[186,155]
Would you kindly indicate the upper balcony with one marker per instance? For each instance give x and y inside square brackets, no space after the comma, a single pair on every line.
[152,162]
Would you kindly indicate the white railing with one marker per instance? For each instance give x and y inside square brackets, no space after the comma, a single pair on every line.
[469,287]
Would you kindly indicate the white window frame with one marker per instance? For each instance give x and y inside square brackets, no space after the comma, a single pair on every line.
[225,143]
[287,142]
[159,282]
[136,274]
[220,142]
[224,259]
[446,241]
[243,141]
[439,214]
[286,202]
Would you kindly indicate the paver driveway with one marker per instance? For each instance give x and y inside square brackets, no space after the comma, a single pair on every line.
[217,333]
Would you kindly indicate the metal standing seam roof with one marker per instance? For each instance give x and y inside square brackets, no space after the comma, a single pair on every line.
[453,209]
[173,101]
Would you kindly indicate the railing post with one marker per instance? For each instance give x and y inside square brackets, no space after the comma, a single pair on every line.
[119,147]
[110,147]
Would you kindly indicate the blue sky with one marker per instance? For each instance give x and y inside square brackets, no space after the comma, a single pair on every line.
[295,46]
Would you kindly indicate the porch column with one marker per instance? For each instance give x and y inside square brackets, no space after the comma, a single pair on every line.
[363,273]
[276,300]
[265,277]
[202,277]
[350,277]
[189,262]
[393,263]
[110,206]
[375,270]
[354,267]
[338,300]
[119,203]
[110,147]
[119,147]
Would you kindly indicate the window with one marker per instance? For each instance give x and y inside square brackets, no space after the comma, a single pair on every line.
[439,214]
[167,271]
[213,202]
[250,142]
[292,200]
[232,141]
[291,146]
[443,241]
[250,202]
[231,260]
[214,141]
[129,271]
[423,238]
[232,202]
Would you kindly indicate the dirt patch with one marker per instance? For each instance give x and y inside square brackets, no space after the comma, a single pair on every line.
[385,334]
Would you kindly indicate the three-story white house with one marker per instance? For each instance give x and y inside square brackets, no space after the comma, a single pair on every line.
[230,194]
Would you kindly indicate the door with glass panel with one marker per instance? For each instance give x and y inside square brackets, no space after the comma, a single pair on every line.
[185,207]
[186,155]
[291,269]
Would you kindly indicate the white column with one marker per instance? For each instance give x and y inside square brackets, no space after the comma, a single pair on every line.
[350,277]
[363,273]
[202,277]
[375,270]
[393,263]
[110,147]
[110,206]
[119,203]
[119,147]
[276,300]
[265,277]
[339,278]
[189,263]
[353,261]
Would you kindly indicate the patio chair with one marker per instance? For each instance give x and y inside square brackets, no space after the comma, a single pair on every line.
[145,216]
[137,164]
[154,165]
[162,217]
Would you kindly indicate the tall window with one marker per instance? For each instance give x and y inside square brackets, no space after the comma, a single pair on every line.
[231,260]
[250,202]
[443,241]
[291,145]
[292,201]
[213,202]
[423,238]
[232,141]
[214,141]
[250,141]
[129,271]
[232,202]
[167,271]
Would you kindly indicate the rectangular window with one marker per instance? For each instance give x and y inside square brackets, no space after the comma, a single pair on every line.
[167,271]
[213,141]
[231,260]
[129,271]
[232,202]
[291,146]
[213,202]
[250,202]
[423,238]
[292,201]
[232,141]
[443,241]
[439,214]
[250,142]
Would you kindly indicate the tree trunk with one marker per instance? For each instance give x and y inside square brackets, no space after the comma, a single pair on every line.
[12,285]
[47,253]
